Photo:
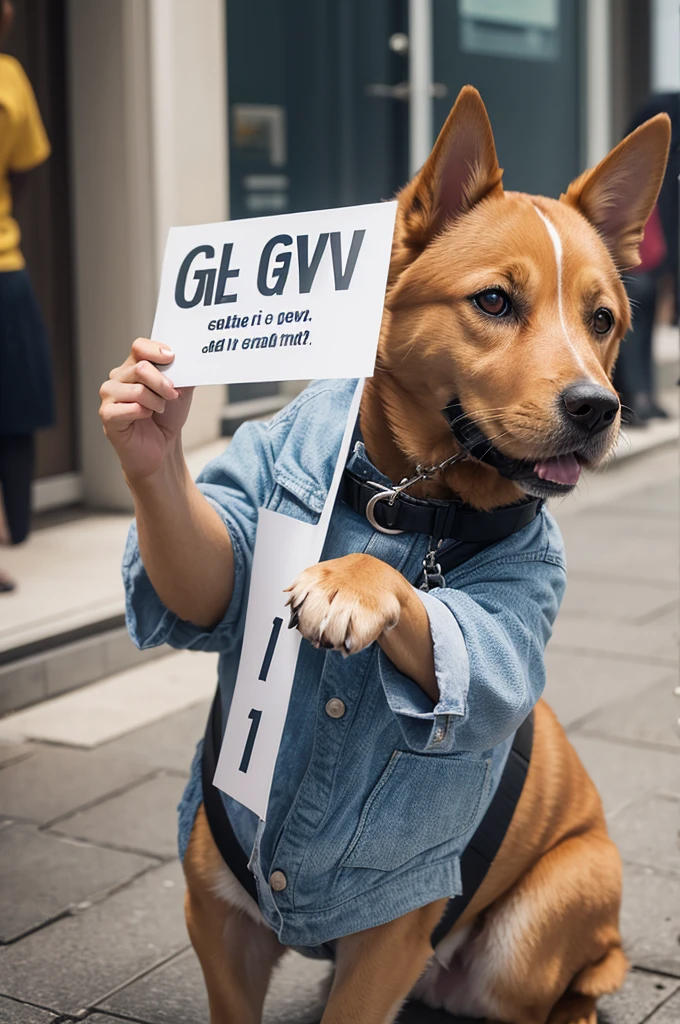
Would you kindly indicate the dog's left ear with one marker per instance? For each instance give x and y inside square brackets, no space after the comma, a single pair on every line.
[618,195]
[461,170]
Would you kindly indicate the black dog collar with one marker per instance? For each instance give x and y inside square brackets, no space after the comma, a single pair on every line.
[440,520]
[391,510]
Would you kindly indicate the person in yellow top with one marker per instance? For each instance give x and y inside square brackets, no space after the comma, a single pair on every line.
[26,392]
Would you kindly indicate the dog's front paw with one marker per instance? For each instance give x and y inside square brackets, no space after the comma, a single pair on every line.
[347,603]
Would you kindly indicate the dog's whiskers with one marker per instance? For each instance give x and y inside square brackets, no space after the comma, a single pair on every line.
[408,352]
[627,440]
[481,414]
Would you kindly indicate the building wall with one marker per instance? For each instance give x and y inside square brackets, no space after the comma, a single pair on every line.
[149,150]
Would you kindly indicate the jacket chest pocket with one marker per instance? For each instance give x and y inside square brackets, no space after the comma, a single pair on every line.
[418,803]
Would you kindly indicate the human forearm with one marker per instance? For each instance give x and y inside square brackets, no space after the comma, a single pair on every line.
[185,546]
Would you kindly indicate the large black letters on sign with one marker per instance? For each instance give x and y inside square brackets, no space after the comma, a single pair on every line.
[269,653]
[342,277]
[306,270]
[224,274]
[203,278]
[280,269]
[211,283]
[255,716]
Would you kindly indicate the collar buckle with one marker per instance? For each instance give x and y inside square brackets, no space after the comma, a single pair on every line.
[389,495]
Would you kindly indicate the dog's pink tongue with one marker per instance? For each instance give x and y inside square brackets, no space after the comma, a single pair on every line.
[563,469]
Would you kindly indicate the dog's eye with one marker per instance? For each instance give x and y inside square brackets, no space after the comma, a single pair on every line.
[603,320]
[493,302]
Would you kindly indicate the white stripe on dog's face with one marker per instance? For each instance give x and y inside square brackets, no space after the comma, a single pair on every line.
[557,246]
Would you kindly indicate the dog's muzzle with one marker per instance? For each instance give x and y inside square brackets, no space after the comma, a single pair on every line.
[579,444]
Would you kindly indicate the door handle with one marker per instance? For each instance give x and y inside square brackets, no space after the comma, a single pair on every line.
[402,91]
[382,91]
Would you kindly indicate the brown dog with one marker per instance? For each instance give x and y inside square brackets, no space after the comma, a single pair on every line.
[506,301]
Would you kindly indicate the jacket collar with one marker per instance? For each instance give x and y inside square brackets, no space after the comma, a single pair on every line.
[305,462]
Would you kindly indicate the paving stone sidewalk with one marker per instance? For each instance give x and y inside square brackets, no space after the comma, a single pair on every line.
[91,922]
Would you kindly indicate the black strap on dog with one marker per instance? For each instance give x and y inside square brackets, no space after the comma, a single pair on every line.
[479,854]
[215,811]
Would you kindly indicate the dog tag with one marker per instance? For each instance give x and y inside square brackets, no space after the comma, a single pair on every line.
[283,548]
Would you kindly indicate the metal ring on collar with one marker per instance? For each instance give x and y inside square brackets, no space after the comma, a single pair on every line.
[386,495]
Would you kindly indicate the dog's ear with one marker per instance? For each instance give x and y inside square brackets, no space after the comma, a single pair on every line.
[461,170]
[618,195]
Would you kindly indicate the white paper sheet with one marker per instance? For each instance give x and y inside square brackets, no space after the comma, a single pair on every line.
[283,548]
[292,297]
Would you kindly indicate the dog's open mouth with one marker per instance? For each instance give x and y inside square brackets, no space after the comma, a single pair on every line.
[560,469]
[542,478]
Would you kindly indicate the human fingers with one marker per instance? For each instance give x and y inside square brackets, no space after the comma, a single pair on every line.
[147,374]
[143,348]
[117,392]
[154,351]
[116,415]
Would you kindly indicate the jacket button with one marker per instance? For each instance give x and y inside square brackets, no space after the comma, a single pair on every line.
[278,881]
[335,708]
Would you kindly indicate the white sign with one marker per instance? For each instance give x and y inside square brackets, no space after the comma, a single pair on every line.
[292,297]
[283,548]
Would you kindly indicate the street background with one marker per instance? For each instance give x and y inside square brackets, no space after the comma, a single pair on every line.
[166,113]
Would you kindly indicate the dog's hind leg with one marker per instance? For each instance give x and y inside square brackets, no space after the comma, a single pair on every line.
[237,952]
[546,950]
[377,968]
[578,1004]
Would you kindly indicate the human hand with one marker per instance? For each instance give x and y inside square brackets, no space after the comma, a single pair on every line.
[142,412]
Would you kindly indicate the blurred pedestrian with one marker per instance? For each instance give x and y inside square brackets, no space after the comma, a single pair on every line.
[634,373]
[26,393]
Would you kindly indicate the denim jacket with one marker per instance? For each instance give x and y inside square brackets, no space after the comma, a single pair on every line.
[369,812]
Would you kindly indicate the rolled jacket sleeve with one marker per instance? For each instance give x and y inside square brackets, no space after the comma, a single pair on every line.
[488,636]
[236,484]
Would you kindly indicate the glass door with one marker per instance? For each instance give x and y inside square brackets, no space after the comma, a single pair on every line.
[313,123]
[327,97]
[315,120]
[337,102]
[524,59]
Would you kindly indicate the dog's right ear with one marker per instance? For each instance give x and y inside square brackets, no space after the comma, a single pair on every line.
[461,170]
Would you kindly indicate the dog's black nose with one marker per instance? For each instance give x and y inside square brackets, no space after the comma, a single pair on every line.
[590,406]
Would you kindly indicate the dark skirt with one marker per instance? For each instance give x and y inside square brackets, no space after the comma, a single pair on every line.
[26,390]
